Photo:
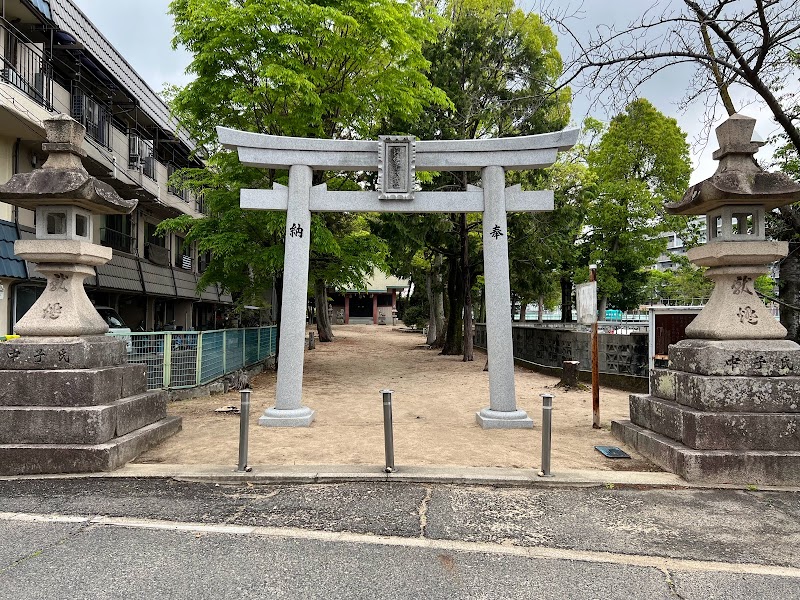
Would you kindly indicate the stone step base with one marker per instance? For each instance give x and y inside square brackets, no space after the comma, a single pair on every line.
[30,459]
[716,430]
[728,393]
[80,425]
[71,387]
[711,466]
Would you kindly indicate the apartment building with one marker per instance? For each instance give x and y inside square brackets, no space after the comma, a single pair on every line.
[54,61]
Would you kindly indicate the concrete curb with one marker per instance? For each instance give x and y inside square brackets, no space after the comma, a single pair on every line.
[454,475]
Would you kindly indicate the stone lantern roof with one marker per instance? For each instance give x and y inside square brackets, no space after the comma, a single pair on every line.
[738,179]
[63,180]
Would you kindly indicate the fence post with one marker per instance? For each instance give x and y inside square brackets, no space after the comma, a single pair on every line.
[224,351]
[258,341]
[199,358]
[244,424]
[388,434]
[547,433]
[167,368]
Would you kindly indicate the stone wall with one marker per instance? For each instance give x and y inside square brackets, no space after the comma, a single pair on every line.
[623,359]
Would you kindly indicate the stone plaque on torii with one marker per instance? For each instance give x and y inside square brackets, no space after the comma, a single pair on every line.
[396,158]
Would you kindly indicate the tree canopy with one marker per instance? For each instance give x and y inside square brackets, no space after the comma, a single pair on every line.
[641,162]
[497,65]
[742,52]
[331,69]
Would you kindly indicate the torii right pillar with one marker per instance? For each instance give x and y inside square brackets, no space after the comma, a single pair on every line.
[727,408]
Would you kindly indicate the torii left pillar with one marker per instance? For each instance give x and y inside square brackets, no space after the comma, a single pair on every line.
[288,410]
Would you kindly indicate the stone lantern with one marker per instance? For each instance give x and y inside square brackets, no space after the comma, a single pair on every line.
[734,201]
[69,400]
[727,408]
[65,199]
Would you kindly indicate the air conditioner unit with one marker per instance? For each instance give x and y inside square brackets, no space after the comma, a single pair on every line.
[134,152]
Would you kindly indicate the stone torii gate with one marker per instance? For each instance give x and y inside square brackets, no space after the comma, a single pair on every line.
[396,158]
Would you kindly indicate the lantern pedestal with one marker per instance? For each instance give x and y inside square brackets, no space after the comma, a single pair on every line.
[69,400]
[734,311]
[727,409]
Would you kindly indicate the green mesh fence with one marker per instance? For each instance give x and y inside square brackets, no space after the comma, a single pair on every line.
[183,359]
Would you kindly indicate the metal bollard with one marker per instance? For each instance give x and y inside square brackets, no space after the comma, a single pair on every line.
[547,433]
[388,436]
[244,422]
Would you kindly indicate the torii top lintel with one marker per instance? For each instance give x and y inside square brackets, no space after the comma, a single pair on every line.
[280,152]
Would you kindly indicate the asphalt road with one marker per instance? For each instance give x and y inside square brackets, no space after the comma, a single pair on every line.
[155,538]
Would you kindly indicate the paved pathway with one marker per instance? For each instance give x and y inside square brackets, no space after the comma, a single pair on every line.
[158,538]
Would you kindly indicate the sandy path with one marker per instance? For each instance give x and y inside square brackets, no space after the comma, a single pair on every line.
[435,401]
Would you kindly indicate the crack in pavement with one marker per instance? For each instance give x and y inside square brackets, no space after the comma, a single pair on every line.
[83,525]
[423,511]
[671,585]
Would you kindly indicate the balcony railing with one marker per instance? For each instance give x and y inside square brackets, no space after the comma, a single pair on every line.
[26,68]
[116,240]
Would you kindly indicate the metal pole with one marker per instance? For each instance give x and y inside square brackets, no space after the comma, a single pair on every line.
[547,433]
[388,436]
[595,363]
[244,422]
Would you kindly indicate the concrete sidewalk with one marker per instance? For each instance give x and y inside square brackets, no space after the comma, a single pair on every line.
[469,476]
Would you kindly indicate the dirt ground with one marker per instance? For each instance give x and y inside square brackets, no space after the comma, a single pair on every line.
[435,401]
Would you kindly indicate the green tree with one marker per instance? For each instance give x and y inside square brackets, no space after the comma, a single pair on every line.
[498,66]
[331,69]
[554,242]
[685,284]
[745,51]
[641,162]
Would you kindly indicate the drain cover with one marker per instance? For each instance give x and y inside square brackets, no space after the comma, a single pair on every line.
[612,452]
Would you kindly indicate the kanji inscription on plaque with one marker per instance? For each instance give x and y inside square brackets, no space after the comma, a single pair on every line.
[396,168]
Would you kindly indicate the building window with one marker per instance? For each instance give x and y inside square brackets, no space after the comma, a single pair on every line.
[183,258]
[153,238]
[93,115]
[203,260]
[172,189]
[117,233]
[24,67]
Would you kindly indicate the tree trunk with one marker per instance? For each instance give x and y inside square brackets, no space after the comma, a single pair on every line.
[523,306]
[431,308]
[569,374]
[454,337]
[466,283]
[789,292]
[540,316]
[602,308]
[438,297]
[566,299]
[324,329]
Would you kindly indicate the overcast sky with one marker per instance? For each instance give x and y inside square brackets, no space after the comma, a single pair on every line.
[142,32]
